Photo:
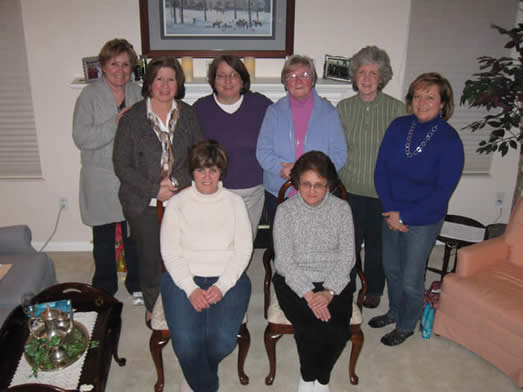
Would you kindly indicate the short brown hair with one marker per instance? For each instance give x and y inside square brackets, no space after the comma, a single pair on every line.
[318,162]
[152,70]
[425,81]
[116,47]
[293,62]
[235,63]
[208,153]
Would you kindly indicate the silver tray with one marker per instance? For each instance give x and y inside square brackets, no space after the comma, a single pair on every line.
[78,333]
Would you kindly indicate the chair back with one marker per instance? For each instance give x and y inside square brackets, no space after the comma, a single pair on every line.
[268,255]
[463,230]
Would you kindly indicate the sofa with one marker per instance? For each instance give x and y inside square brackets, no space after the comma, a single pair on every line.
[31,271]
[481,305]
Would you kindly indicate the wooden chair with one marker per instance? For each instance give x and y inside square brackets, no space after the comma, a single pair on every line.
[278,324]
[457,232]
[161,336]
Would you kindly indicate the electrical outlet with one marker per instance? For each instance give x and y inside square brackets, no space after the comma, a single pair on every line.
[500,196]
[62,202]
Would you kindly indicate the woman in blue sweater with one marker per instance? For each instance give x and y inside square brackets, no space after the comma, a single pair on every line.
[418,167]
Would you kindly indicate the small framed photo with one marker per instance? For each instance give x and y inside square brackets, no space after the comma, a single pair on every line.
[92,68]
[336,68]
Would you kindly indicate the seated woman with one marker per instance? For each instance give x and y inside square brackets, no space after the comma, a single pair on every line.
[314,246]
[206,244]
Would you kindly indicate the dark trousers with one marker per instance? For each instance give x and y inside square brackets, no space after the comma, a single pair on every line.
[319,343]
[104,252]
[366,214]
[146,229]
[271,204]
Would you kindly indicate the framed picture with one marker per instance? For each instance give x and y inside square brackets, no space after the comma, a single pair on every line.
[204,28]
[92,68]
[336,68]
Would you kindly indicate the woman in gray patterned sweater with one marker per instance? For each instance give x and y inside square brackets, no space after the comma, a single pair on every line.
[314,246]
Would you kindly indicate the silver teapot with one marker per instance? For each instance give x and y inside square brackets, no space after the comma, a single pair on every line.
[50,323]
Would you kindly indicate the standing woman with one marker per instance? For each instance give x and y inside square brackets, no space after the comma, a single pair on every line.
[299,122]
[365,118]
[233,115]
[97,113]
[150,159]
[419,165]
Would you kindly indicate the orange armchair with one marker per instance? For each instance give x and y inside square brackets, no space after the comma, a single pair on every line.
[481,305]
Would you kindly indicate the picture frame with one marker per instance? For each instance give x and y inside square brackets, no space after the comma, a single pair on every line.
[92,68]
[208,32]
[336,68]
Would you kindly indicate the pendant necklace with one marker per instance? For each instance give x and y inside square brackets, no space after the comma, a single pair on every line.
[423,143]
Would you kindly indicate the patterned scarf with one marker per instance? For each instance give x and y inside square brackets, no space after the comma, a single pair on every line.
[167,158]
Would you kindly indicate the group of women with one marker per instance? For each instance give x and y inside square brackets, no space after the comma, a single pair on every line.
[214,166]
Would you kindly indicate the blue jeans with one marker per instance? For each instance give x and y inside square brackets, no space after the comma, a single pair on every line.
[404,261]
[201,340]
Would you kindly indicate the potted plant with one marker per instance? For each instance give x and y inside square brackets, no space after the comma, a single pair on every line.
[498,87]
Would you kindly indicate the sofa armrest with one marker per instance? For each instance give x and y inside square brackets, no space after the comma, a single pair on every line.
[15,239]
[480,256]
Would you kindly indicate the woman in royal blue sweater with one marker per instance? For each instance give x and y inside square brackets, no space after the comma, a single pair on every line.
[418,167]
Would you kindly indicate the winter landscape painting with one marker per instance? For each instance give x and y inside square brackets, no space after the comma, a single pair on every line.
[217,18]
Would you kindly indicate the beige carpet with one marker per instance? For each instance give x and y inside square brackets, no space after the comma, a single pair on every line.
[417,365]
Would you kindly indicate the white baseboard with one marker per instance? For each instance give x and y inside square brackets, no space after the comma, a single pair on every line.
[64,246]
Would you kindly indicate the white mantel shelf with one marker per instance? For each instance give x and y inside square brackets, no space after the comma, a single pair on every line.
[270,87]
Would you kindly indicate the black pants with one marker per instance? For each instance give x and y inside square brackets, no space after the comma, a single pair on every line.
[271,204]
[319,343]
[366,214]
[104,252]
[146,229]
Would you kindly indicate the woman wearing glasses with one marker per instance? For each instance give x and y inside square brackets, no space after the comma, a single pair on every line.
[299,122]
[233,115]
[314,246]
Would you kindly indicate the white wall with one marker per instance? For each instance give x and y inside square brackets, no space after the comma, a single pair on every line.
[60,32]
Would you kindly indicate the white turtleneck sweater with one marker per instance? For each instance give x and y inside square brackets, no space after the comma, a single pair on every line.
[206,235]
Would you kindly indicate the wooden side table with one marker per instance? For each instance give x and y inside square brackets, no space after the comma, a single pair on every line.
[84,298]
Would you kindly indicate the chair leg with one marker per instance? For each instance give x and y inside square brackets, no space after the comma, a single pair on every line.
[158,340]
[357,344]
[270,346]
[118,328]
[244,342]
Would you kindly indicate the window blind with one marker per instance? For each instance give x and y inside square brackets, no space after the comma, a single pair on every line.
[447,36]
[19,155]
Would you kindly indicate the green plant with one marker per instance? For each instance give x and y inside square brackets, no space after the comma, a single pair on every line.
[499,88]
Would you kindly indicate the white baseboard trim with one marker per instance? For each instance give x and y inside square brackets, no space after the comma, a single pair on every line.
[64,246]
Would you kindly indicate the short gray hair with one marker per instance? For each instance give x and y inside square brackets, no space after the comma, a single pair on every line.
[371,55]
[294,61]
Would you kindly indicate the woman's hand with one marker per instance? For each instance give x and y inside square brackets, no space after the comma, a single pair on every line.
[213,295]
[167,190]
[285,172]
[393,221]
[198,300]
[318,303]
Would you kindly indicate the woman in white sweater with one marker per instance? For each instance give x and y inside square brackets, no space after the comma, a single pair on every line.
[206,244]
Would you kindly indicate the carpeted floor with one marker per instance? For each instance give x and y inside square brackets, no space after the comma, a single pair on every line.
[432,365]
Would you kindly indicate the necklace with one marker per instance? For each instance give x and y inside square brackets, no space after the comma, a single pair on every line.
[423,143]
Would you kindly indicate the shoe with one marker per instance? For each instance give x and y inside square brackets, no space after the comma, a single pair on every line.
[148,319]
[305,386]
[137,298]
[372,301]
[380,321]
[395,337]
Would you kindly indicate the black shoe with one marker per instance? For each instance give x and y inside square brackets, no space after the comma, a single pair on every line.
[148,319]
[395,337]
[381,321]
[372,301]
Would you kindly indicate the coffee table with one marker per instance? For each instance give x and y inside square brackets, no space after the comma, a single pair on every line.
[84,298]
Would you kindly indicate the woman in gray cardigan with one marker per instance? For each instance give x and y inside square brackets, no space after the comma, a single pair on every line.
[97,113]
[150,159]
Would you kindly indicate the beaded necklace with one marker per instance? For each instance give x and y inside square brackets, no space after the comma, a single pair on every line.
[423,143]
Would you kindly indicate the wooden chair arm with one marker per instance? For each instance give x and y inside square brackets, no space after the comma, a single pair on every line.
[268,255]
[475,258]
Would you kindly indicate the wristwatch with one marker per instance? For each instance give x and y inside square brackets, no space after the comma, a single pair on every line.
[331,292]
[399,218]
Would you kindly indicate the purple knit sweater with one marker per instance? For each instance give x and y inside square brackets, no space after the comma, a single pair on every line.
[238,133]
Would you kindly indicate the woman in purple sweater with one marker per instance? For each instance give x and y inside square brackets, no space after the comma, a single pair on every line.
[419,164]
[233,115]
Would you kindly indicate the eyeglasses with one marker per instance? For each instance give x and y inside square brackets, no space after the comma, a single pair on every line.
[232,76]
[292,77]
[318,186]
